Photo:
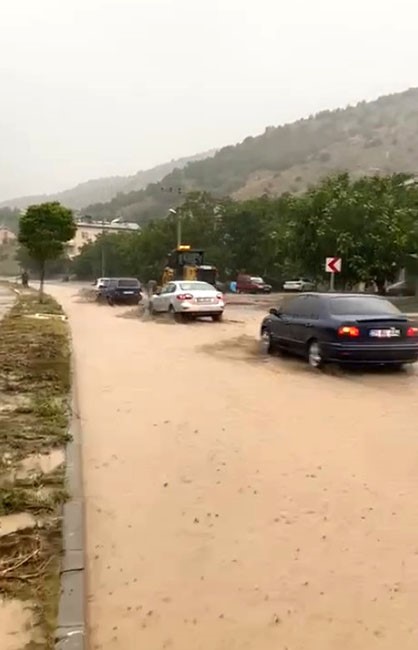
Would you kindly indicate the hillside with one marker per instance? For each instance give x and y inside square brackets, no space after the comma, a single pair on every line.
[371,137]
[104,189]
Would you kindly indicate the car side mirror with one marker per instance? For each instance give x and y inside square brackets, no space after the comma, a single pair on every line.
[158,291]
[275,312]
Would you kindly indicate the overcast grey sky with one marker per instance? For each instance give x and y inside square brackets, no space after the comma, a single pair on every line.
[99,87]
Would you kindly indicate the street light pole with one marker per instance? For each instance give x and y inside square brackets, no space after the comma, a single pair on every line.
[178,224]
[178,230]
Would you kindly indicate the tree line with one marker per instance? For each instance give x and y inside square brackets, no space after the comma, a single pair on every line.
[371,222]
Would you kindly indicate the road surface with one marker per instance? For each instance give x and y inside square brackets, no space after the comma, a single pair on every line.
[237,503]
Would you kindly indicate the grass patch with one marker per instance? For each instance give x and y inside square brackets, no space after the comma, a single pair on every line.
[34,414]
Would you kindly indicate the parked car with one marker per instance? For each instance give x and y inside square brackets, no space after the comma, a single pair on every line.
[121,290]
[191,299]
[252,284]
[343,328]
[301,284]
[101,283]
[401,288]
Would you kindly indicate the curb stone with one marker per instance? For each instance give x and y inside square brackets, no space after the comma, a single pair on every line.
[71,625]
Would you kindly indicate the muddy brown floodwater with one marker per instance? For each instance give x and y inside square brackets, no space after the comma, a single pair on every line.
[237,503]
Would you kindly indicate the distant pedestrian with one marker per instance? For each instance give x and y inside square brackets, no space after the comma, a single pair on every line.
[25,279]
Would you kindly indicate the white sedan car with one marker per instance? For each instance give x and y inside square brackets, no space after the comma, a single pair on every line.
[301,284]
[191,299]
[101,283]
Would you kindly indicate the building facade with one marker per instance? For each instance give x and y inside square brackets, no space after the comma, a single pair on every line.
[7,236]
[88,231]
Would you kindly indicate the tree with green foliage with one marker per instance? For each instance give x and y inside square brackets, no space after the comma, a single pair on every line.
[44,230]
[57,266]
[371,222]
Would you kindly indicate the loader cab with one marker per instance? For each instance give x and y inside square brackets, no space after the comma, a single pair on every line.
[186,263]
[184,256]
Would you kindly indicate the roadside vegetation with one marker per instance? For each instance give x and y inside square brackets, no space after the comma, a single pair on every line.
[370,222]
[34,415]
[44,230]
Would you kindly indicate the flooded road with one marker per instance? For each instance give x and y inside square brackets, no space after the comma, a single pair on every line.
[235,502]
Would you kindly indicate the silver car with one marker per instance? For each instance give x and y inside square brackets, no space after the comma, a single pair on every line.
[102,283]
[191,299]
[301,284]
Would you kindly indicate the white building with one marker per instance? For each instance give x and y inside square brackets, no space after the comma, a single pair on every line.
[89,231]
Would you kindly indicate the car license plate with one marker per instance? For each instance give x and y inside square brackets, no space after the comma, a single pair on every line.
[389,333]
[128,293]
[205,300]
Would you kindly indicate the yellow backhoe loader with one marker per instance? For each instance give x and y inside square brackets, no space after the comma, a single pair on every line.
[186,263]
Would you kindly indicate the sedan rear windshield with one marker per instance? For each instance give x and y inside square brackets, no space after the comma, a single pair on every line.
[196,286]
[125,283]
[362,306]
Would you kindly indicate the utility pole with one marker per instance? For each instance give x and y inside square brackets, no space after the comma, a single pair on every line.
[178,229]
[103,252]
[103,260]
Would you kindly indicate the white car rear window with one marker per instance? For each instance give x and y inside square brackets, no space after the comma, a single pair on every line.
[196,286]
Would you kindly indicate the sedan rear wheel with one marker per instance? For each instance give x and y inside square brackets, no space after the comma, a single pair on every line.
[315,357]
[178,317]
[266,343]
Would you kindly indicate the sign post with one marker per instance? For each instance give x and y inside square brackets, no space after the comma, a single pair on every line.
[332,266]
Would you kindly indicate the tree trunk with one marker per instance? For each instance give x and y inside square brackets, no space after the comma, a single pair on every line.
[41,280]
[381,286]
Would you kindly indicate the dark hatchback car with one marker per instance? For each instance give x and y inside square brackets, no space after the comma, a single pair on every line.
[252,284]
[341,328]
[122,290]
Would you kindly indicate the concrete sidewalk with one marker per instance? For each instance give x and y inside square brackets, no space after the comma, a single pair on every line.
[7,299]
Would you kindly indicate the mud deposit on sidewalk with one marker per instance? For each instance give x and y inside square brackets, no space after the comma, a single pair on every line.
[16,622]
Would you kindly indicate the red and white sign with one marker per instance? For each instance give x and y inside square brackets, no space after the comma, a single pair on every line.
[333,264]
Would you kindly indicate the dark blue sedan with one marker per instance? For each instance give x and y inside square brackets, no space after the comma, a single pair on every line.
[341,328]
[121,290]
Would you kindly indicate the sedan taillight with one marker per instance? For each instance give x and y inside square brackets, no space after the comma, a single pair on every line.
[220,296]
[184,296]
[412,331]
[349,330]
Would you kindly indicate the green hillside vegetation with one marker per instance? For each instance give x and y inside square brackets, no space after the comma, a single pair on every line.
[9,218]
[376,136]
[104,189]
